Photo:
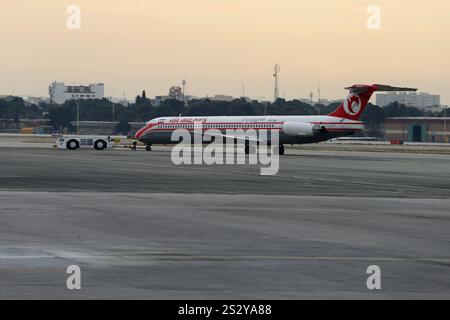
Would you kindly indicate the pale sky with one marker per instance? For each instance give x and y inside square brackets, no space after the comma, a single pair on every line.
[132,45]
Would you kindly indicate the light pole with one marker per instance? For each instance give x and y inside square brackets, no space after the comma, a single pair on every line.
[78,118]
[445,124]
[184,82]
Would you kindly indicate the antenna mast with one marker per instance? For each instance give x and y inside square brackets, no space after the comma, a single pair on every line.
[276,73]
[184,92]
[318,91]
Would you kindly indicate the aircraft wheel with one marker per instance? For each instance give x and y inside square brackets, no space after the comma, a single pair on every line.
[148,148]
[281,150]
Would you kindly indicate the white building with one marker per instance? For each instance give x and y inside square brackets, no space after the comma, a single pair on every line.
[60,93]
[411,99]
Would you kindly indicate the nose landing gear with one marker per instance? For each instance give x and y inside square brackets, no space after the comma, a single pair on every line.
[148,148]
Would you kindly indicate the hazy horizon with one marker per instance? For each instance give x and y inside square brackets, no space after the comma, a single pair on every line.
[216,45]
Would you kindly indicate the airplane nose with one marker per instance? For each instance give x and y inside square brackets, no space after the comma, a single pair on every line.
[140,132]
[143,131]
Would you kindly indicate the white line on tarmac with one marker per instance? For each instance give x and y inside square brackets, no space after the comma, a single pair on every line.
[144,164]
[212,257]
[369,183]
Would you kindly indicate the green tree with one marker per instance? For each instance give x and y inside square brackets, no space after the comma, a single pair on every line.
[373,118]
[399,110]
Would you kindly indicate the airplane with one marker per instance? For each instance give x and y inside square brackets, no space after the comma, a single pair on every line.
[344,121]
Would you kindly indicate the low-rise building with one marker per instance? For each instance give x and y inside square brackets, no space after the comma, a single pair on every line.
[417,129]
[222,97]
[103,127]
[32,125]
[175,93]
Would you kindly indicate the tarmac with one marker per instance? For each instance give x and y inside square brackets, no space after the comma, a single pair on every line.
[141,227]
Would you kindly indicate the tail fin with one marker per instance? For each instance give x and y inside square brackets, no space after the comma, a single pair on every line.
[352,107]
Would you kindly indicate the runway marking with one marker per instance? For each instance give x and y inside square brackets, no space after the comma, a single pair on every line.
[203,168]
[134,164]
[309,258]
[369,183]
[212,257]
[25,257]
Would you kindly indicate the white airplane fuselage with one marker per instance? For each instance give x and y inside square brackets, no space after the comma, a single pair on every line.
[292,129]
[343,121]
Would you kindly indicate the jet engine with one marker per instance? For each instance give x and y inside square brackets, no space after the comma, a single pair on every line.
[302,129]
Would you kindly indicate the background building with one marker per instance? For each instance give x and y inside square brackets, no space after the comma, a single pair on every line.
[60,93]
[40,126]
[35,100]
[175,93]
[411,99]
[222,97]
[103,127]
[417,129]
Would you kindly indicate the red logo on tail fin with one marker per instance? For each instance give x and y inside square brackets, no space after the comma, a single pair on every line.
[352,106]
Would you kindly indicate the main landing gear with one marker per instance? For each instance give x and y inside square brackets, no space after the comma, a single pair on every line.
[281,150]
[148,148]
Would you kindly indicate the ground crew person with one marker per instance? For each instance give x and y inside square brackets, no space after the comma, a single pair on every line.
[134,144]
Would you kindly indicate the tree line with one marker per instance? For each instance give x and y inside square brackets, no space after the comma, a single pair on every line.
[142,110]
